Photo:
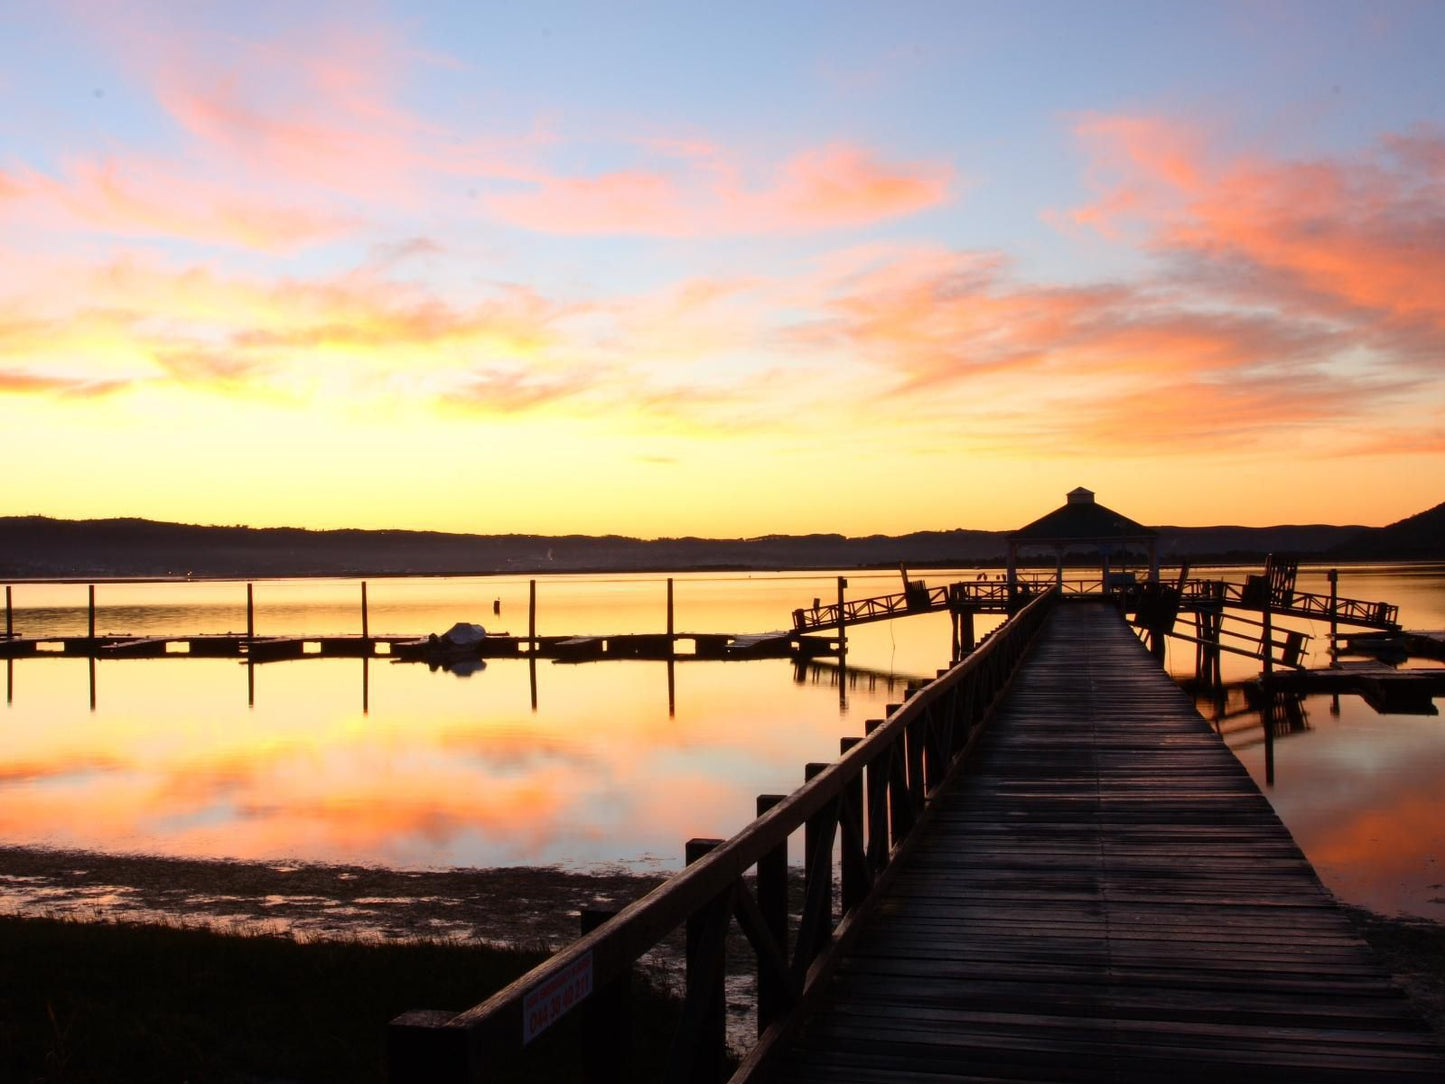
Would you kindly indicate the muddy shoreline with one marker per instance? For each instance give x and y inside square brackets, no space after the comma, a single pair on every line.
[526,907]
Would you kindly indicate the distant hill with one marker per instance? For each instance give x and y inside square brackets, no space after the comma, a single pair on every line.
[1250,543]
[1421,537]
[40,547]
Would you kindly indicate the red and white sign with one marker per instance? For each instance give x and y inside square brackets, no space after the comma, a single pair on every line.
[545,1004]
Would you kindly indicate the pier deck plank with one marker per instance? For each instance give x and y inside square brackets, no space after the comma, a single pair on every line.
[1106,896]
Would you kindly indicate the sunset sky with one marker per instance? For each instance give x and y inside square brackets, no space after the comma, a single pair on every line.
[724,269]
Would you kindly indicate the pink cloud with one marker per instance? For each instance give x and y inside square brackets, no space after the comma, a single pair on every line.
[137,197]
[276,128]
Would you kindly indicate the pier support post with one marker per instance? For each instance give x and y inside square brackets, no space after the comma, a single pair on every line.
[1156,642]
[1013,575]
[365,627]
[1267,636]
[9,614]
[1334,617]
[250,611]
[532,617]
[670,634]
[671,688]
[92,616]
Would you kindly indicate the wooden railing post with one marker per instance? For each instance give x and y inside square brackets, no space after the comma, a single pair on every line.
[817,924]
[772,890]
[875,775]
[900,804]
[606,1020]
[697,1055]
[855,877]
[913,747]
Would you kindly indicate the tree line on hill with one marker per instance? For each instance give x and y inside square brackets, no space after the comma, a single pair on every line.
[37,547]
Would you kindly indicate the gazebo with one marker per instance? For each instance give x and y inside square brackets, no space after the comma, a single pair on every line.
[1081,521]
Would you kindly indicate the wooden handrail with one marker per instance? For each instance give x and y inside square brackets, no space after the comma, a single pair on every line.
[895,769]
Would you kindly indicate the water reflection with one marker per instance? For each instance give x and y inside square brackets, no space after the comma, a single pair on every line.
[1360,796]
[618,761]
[536,763]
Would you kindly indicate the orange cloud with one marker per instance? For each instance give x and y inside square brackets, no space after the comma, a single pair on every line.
[1360,241]
[1118,369]
[12,383]
[818,189]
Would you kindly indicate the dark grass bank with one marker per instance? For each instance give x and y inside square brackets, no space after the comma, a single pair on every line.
[83,1002]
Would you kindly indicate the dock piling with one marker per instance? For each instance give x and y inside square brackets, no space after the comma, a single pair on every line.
[92,614]
[365,628]
[1266,638]
[532,618]
[250,611]
[1334,617]
[9,614]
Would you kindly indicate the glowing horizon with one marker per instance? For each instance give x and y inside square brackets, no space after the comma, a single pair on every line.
[549,272]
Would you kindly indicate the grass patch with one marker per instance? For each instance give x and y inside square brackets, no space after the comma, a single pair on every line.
[119,1002]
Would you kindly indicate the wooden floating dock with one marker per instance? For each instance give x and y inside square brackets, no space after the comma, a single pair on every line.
[648,646]
[1106,896]
[1387,690]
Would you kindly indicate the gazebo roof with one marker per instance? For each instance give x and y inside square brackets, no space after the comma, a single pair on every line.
[1082,520]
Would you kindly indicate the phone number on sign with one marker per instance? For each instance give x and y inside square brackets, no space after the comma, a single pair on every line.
[544,1005]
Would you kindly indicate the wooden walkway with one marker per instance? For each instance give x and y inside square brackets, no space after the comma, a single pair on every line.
[1106,896]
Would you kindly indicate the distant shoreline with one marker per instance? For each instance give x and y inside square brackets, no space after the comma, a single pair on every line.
[37,548]
[913,568]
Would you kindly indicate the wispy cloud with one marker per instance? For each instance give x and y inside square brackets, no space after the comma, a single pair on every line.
[702,192]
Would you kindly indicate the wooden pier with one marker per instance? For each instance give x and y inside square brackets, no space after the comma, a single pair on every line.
[1106,895]
[1042,866]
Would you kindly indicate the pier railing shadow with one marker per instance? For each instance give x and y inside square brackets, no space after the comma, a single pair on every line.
[857,816]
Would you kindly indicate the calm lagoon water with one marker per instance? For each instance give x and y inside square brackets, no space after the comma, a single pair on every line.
[340,760]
